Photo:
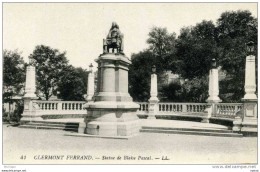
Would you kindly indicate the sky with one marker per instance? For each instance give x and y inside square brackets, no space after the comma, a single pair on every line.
[79,28]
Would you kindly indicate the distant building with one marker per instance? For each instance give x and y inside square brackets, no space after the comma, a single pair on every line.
[172,78]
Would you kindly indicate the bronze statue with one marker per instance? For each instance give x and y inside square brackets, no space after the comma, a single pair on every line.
[114,40]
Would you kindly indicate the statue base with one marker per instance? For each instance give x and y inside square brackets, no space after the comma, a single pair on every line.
[112,119]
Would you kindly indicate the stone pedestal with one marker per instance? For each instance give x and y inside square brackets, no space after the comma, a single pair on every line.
[91,86]
[31,108]
[213,87]
[31,111]
[153,101]
[249,123]
[113,113]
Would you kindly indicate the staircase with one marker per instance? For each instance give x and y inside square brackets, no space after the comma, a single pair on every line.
[191,131]
[51,125]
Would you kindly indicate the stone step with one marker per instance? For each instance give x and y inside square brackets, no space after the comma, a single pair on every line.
[191,132]
[189,129]
[54,124]
[49,127]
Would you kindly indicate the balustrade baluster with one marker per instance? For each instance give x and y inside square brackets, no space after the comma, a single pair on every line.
[184,108]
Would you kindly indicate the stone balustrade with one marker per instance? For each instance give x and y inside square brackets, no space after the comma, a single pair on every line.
[226,110]
[60,109]
[181,107]
[220,110]
[60,105]
[144,107]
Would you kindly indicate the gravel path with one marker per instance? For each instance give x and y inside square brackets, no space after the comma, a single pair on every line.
[53,147]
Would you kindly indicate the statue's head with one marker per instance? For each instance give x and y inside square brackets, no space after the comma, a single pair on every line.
[114,25]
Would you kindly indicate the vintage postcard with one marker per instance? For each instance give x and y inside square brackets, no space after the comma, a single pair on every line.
[130,83]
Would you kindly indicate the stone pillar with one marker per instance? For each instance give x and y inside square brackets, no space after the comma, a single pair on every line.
[153,101]
[213,86]
[250,82]
[31,108]
[213,92]
[91,86]
[30,87]
[249,123]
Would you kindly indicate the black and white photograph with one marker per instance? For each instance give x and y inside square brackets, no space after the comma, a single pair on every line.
[130,83]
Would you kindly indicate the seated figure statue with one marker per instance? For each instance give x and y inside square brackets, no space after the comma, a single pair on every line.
[114,40]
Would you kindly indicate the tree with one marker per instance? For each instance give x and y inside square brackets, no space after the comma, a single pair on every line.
[162,45]
[13,73]
[73,84]
[13,76]
[139,75]
[235,29]
[49,64]
[196,47]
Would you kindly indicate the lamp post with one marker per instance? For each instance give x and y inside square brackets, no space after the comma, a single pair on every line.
[250,46]
[213,64]
[91,68]
[153,69]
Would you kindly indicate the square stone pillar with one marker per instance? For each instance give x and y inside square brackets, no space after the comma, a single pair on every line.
[213,86]
[249,123]
[91,87]
[153,101]
[31,108]
[213,93]
[30,87]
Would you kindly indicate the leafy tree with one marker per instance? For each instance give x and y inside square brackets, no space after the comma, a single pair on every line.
[49,64]
[140,75]
[162,45]
[13,74]
[160,53]
[172,92]
[13,79]
[196,46]
[73,83]
[235,29]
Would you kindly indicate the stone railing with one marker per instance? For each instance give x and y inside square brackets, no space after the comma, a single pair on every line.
[60,107]
[75,108]
[181,107]
[219,110]
[226,110]
[144,108]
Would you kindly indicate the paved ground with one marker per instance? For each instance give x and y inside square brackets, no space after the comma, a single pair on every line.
[161,123]
[179,149]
